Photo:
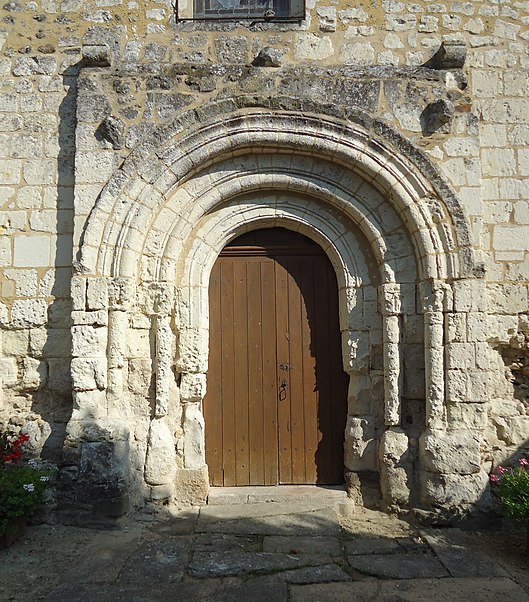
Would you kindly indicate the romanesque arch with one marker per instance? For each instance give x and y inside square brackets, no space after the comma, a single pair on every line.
[393,230]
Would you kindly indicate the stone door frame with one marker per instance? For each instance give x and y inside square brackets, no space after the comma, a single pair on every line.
[389,223]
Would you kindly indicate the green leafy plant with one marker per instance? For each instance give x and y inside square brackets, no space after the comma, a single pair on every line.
[22,483]
[513,491]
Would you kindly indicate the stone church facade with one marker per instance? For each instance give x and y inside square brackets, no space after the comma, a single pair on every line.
[138,142]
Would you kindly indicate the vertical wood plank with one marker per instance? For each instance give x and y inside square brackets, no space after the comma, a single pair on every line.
[228,374]
[255,372]
[295,373]
[310,393]
[283,361]
[213,399]
[241,368]
[265,314]
[269,373]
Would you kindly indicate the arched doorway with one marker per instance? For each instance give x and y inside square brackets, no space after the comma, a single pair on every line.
[276,402]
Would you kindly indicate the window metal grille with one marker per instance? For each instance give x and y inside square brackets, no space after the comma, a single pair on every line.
[268,10]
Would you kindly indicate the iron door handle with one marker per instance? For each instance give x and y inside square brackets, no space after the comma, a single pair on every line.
[283,390]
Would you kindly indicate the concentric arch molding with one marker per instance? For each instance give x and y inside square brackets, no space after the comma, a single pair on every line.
[161,180]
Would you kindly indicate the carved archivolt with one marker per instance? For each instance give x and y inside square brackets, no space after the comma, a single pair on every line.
[391,226]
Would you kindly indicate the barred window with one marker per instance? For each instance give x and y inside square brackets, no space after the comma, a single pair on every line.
[268,10]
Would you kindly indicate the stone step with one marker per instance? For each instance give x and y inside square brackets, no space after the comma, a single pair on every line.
[281,494]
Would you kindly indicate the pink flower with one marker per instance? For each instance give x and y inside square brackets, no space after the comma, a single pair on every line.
[494,478]
[523,462]
[501,470]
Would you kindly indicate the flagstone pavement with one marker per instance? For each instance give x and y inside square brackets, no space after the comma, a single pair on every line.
[300,544]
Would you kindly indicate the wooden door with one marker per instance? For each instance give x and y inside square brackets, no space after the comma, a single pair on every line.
[276,400]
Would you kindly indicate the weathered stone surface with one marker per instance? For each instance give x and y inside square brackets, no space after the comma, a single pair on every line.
[437,114]
[160,464]
[451,55]
[413,590]
[112,129]
[302,545]
[456,452]
[406,565]
[132,149]
[227,563]
[97,55]
[268,57]
[166,562]
[461,562]
[361,546]
[269,519]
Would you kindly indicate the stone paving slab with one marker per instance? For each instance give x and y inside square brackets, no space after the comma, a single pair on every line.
[461,562]
[401,565]
[325,573]
[311,519]
[277,552]
[224,564]
[302,545]
[417,590]
[211,542]
[203,591]
[371,545]
[161,561]
[184,523]
[104,558]
[231,590]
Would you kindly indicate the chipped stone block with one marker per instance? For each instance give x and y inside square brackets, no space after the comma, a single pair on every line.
[96,55]
[326,18]
[88,373]
[36,65]
[96,294]
[112,129]
[309,46]
[8,371]
[160,464]
[191,485]
[89,341]
[437,114]
[193,424]
[28,312]
[452,491]
[454,452]
[192,386]
[451,55]
[356,350]
[34,373]
[268,57]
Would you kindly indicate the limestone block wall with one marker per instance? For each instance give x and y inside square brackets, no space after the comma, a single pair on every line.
[87,357]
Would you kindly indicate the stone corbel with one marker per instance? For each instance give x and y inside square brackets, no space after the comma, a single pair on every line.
[390,300]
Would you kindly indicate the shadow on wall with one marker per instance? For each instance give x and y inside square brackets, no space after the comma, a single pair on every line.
[52,402]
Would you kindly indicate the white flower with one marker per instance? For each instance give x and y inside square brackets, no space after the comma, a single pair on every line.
[28,487]
[44,478]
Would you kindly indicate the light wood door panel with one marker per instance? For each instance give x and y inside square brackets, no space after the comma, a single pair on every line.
[275,407]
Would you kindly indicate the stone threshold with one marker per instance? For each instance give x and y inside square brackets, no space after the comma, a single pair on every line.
[279,493]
